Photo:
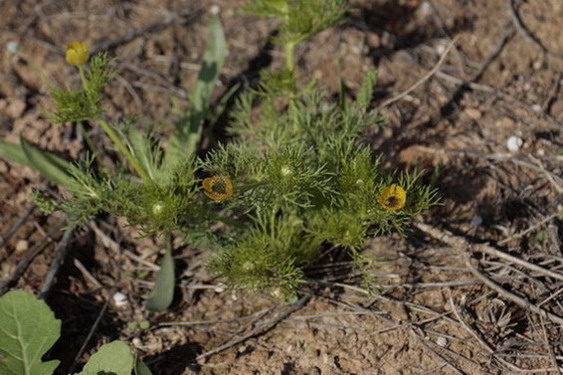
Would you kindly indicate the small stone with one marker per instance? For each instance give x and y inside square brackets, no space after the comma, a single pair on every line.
[373,40]
[513,143]
[441,48]
[505,122]
[220,288]
[21,246]
[137,342]
[12,47]
[473,113]
[15,108]
[120,299]
[476,221]
[442,341]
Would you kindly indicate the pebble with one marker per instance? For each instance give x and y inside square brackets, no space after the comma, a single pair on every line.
[12,47]
[514,143]
[21,246]
[476,221]
[120,299]
[15,108]
[137,342]
[442,341]
[473,113]
[220,288]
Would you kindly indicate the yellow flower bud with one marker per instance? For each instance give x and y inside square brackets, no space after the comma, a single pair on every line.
[77,53]
[393,197]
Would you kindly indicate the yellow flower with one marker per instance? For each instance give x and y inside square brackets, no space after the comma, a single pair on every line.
[393,197]
[218,188]
[77,53]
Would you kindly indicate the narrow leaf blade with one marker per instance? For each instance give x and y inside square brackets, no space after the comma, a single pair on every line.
[49,165]
[163,292]
[28,329]
[13,152]
[184,141]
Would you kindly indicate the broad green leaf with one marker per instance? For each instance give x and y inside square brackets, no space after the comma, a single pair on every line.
[183,142]
[114,358]
[163,292]
[50,166]
[28,329]
[141,368]
[12,152]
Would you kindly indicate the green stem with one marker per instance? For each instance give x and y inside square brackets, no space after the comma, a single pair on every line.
[290,57]
[82,77]
[115,138]
[124,150]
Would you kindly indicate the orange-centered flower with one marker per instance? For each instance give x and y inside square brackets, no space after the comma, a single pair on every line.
[218,188]
[77,53]
[393,198]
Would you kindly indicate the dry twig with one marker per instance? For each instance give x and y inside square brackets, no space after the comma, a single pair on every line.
[522,29]
[28,257]
[423,79]
[10,232]
[60,255]
[260,329]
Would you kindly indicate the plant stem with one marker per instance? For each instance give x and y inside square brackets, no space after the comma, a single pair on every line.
[290,57]
[115,138]
[82,77]
[124,150]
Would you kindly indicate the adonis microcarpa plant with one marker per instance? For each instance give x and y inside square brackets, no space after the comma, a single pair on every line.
[294,178]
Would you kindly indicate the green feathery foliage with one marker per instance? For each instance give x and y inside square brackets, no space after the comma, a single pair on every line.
[85,103]
[294,179]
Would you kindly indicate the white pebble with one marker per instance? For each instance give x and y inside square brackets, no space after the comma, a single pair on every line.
[120,299]
[441,48]
[220,288]
[12,47]
[514,143]
[215,9]
[137,343]
[442,341]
